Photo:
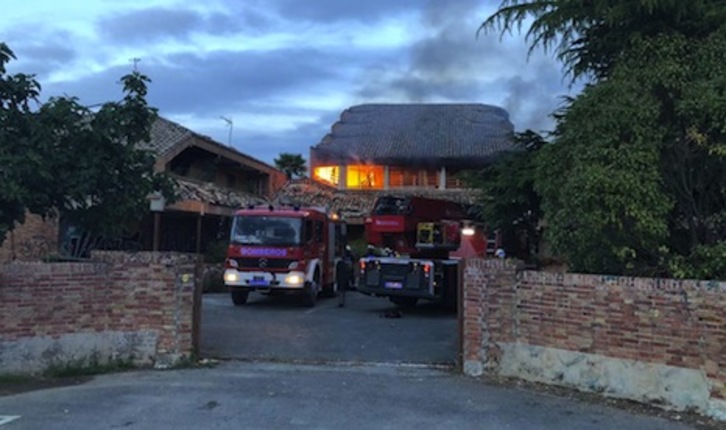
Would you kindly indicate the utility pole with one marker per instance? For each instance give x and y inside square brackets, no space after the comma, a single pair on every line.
[136,61]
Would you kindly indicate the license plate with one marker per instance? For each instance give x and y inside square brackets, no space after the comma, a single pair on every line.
[393,284]
[259,280]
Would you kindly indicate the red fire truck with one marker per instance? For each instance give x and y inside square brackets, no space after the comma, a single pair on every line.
[284,250]
[419,244]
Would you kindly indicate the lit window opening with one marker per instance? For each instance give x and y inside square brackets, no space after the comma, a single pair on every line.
[327,174]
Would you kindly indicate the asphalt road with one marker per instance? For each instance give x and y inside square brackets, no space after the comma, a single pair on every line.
[280,329]
[245,395]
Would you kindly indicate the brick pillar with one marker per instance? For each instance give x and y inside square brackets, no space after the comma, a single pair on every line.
[474,286]
[488,296]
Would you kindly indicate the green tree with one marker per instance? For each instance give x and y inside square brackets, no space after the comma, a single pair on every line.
[588,36]
[635,175]
[292,164]
[600,181]
[65,159]
[18,158]
[509,203]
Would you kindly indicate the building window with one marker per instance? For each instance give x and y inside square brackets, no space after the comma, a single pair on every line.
[431,179]
[365,177]
[395,177]
[401,177]
[328,174]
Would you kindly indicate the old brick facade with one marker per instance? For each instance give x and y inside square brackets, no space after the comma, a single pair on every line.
[138,307]
[36,238]
[654,340]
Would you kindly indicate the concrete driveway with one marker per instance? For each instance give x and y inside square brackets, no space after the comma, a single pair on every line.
[280,329]
[242,395]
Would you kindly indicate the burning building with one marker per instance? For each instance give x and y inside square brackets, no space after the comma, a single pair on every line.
[409,146]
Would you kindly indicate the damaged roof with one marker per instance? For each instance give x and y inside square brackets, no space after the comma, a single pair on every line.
[418,134]
[359,203]
[210,193]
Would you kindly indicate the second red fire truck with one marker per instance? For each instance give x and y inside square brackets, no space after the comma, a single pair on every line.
[420,244]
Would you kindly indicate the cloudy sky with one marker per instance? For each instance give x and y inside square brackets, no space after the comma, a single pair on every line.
[281,70]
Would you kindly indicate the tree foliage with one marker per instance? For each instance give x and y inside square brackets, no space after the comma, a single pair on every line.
[637,175]
[589,35]
[635,179]
[510,203]
[600,181]
[62,158]
[292,164]
[17,159]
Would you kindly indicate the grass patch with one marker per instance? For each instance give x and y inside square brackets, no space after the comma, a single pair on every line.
[12,378]
[88,367]
[81,370]
[192,361]
[20,383]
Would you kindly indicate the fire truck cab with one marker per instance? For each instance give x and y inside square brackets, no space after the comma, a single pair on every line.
[284,250]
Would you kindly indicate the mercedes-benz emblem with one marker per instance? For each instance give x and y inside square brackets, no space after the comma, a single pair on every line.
[263,263]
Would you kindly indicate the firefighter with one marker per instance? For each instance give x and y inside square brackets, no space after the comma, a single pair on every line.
[344,274]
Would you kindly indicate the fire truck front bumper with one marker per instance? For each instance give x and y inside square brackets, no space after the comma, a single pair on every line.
[264,280]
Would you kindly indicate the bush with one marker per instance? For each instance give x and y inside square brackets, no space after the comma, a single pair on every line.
[358,246]
[704,262]
[216,252]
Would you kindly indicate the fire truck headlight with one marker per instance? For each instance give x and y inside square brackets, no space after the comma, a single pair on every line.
[294,279]
[293,265]
[230,276]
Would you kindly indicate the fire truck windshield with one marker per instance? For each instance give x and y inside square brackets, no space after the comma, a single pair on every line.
[266,230]
[389,205]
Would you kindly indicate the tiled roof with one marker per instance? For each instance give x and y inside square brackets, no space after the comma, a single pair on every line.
[209,193]
[166,134]
[358,203]
[408,134]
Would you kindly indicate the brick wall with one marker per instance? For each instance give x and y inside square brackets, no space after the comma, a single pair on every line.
[119,306]
[652,340]
[31,241]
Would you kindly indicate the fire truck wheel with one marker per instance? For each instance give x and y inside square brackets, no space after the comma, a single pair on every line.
[310,294]
[404,302]
[239,297]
